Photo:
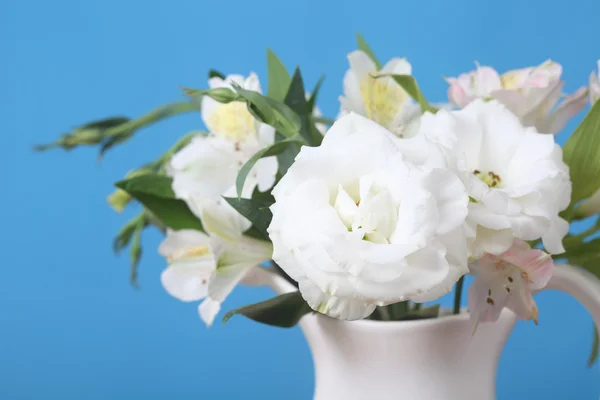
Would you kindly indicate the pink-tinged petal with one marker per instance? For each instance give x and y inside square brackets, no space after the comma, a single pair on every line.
[572,105]
[535,263]
[485,304]
[486,81]
[457,94]
[542,75]
[509,280]
[521,302]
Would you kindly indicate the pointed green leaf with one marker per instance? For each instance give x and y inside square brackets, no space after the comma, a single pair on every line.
[279,77]
[296,100]
[312,101]
[362,45]
[265,198]
[283,311]
[155,193]
[271,112]
[273,150]
[255,212]
[580,152]
[213,73]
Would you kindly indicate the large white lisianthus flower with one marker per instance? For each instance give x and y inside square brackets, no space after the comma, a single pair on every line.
[532,94]
[515,176]
[380,99]
[357,224]
[209,266]
[207,167]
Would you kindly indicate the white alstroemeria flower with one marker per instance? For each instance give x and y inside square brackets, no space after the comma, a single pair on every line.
[358,224]
[508,280]
[208,267]
[595,85]
[532,94]
[207,167]
[379,99]
[515,176]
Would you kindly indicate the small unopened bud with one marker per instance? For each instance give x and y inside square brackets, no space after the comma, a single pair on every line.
[222,95]
[118,200]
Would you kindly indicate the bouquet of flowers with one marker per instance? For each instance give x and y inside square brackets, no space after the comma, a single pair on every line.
[374,213]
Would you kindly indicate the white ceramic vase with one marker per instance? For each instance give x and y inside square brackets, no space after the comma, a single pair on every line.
[436,359]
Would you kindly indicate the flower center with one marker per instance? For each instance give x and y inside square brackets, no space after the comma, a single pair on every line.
[232,121]
[490,178]
[383,98]
[373,216]
[188,253]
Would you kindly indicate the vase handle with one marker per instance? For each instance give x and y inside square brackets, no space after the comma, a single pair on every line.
[579,283]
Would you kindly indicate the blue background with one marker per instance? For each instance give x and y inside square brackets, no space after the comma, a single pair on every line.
[71,326]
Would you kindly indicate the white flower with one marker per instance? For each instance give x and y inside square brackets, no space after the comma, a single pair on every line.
[207,167]
[530,93]
[515,176]
[508,280]
[379,99]
[208,267]
[357,223]
[595,85]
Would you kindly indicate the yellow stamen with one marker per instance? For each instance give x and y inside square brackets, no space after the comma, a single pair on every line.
[232,121]
[189,252]
[383,99]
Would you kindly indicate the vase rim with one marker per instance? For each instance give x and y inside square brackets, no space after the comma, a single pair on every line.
[448,318]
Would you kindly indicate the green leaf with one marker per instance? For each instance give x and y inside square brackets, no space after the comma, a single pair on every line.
[265,109]
[271,112]
[580,153]
[595,348]
[257,213]
[283,311]
[279,77]
[125,234]
[155,193]
[265,198]
[296,100]
[135,252]
[585,255]
[312,101]
[362,45]
[409,84]
[273,150]
[213,73]
[222,95]
[402,312]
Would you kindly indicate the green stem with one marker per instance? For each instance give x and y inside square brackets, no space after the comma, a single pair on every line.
[418,306]
[153,116]
[458,295]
